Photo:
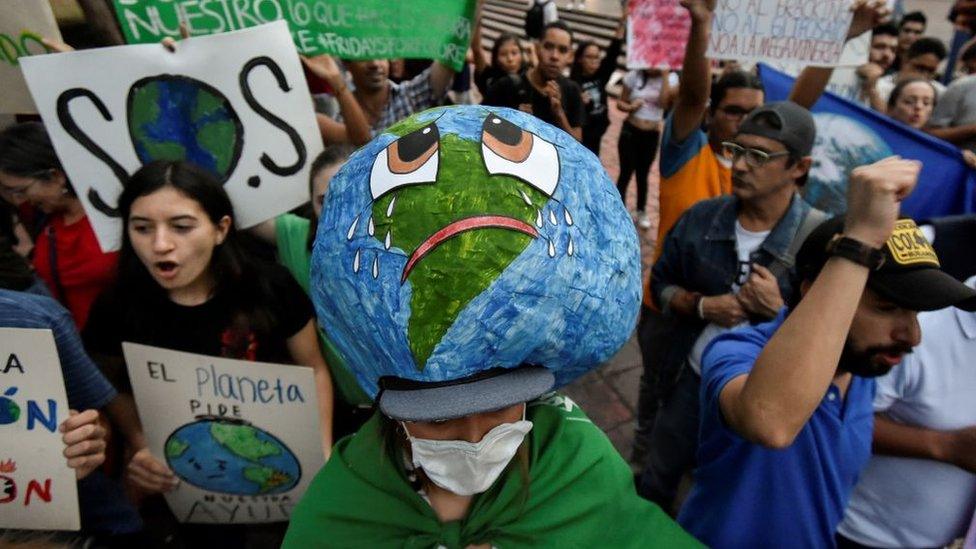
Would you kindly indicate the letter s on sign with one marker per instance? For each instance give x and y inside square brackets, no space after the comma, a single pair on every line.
[274,120]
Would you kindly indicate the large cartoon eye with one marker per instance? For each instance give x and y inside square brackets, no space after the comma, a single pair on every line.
[410,160]
[510,150]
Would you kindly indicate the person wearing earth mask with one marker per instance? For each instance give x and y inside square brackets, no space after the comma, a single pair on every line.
[469,446]
[489,460]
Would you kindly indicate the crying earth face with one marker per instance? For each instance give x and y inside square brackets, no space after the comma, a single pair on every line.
[459,211]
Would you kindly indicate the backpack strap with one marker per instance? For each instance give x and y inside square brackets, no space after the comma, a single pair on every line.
[811,221]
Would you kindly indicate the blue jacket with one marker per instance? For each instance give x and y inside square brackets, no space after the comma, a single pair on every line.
[699,255]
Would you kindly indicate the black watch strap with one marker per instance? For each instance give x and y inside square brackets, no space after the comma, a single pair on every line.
[856,251]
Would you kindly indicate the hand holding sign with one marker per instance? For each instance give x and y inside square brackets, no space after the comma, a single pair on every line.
[867,15]
[38,488]
[149,474]
[84,440]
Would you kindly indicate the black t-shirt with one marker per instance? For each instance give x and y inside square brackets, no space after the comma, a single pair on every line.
[213,328]
[489,76]
[516,90]
[595,86]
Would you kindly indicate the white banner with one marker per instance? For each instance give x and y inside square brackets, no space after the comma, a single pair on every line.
[780,31]
[236,104]
[243,437]
[38,490]
[22,25]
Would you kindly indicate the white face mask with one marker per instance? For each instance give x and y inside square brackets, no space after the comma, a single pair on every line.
[468,468]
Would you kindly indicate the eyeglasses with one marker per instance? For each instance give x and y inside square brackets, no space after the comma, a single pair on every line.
[754,157]
[17,193]
[20,193]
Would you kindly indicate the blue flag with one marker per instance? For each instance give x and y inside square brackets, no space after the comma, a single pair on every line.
[850,135]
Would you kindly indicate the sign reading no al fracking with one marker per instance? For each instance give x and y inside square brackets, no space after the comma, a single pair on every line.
[349,29]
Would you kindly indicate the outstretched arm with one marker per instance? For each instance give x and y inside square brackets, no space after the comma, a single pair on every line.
[955,135]
[440,74]
[481,60]
[355,130]
[772,403]
[696,77]
[812,82]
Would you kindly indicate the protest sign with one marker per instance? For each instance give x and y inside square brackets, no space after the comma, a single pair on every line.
[850,135]
[22,25]
[798,31]
[350,29]
[243,437]
[38,490]
[236,104]
[657,31]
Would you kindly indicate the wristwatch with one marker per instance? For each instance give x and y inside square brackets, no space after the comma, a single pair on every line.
[856,251]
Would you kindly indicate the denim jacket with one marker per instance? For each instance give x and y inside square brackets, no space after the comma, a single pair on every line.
[699,255]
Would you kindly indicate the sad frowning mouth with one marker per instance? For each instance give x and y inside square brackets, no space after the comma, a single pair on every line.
[464,225]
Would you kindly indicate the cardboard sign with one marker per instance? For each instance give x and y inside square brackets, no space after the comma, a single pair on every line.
[22,25]
[38,490]
[235,104]
[350,29]
[798,31]
[657,32]
[243,437]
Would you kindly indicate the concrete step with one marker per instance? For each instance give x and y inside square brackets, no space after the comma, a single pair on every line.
[500,16]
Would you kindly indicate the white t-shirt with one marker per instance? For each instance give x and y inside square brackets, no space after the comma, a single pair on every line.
[649,90]
[746,243]
[907,502]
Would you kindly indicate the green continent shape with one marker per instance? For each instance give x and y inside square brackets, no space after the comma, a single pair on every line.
[243,441]
[461,268]
[175,447]
[145,111]
[218,137]
[266,477]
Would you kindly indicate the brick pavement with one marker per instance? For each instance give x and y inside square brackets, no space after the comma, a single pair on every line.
[609,394]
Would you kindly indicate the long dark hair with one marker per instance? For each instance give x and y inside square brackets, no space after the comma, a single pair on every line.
[576,71]
[26,151]
[331,156]
[233,271]
[503,39]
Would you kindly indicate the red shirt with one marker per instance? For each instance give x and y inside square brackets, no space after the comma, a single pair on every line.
[84,270]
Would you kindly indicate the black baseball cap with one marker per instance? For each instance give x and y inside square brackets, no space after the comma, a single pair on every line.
[486,391]
[910,276]
[783,121]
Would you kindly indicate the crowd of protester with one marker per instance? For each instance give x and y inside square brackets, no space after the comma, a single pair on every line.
[777,340]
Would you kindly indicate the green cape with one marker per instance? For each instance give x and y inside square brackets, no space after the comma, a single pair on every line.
[581,494]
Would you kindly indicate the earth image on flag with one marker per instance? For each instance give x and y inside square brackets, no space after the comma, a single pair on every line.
[174,117]
[231,456]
